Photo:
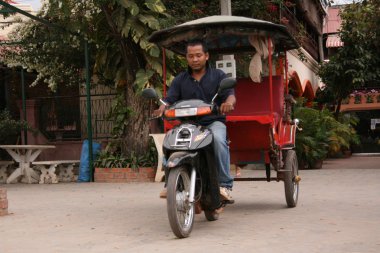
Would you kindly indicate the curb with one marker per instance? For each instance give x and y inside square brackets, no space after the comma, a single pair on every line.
[366,154]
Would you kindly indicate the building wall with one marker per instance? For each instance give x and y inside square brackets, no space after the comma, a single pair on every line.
[306,70]
[310,16]
[313,13]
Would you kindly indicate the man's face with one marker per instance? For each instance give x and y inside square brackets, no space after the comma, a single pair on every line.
[196,58]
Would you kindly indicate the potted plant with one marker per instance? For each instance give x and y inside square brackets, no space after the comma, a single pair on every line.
[112,166]
[357,95]
[345,101]
[370,96]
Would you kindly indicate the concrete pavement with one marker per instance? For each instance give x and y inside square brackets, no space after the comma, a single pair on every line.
[338,211]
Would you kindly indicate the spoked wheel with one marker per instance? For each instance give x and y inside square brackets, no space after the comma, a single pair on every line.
[291,178]
[180,211]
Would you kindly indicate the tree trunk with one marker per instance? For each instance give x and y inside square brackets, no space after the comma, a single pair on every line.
[136,135]
[137,130]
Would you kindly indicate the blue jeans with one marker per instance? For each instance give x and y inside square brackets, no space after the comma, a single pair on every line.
[222,153]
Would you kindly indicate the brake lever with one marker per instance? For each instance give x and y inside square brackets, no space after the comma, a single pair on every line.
[154,117]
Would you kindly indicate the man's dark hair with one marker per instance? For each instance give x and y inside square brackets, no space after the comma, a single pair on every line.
[196,42]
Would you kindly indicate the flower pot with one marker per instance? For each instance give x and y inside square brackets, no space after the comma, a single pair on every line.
[346,153]
[316,165]
[301,165]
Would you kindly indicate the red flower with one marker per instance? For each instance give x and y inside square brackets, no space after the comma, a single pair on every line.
[272,7]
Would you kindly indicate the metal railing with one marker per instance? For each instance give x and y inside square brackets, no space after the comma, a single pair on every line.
[100,108]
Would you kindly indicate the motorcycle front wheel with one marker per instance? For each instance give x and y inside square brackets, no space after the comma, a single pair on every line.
[180,210]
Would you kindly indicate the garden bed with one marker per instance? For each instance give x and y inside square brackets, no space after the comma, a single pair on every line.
[124,175]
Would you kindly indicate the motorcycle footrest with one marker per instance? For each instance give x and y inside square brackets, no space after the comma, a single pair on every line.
[284,170]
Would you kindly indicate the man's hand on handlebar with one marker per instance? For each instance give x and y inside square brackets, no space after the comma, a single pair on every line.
[158,113]
[226,107]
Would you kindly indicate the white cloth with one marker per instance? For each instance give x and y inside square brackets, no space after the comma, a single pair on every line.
[256,66]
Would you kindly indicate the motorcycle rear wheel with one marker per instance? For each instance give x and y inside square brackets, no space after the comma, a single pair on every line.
[211,215]
[180,210]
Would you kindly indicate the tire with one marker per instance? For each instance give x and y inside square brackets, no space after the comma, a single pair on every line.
[180,211]
[211,215]
[291,186]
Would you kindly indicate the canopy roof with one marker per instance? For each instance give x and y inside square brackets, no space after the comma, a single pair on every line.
[333,40]
[223,34]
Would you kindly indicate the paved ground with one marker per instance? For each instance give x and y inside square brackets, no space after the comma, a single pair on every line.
[338,211]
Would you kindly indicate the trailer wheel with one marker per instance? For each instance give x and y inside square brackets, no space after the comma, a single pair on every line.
[291,181]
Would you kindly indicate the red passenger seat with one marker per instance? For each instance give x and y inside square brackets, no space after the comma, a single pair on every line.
[249,124]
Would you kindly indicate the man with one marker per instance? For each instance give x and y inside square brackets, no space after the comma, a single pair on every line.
[202,82]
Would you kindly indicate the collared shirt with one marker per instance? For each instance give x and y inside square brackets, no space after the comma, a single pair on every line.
[184,87]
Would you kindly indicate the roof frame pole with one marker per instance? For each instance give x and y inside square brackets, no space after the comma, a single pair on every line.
[270,74]
[286,72]
[164,81]
[164,70]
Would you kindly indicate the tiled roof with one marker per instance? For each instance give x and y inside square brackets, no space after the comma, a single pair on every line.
[334,21]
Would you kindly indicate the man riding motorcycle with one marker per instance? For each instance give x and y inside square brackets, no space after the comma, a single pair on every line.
[201,81]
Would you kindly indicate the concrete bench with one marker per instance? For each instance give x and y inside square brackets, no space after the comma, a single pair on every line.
[3,170]
[159,141]
[48,171]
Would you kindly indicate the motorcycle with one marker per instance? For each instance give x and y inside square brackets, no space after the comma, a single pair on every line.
[190,173]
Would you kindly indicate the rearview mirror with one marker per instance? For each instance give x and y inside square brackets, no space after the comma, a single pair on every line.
[227,83]
[149,93]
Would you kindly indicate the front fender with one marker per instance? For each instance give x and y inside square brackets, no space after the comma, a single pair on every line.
[180,158]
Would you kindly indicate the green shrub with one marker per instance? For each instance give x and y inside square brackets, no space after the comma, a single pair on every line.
[341,132]
[114,159]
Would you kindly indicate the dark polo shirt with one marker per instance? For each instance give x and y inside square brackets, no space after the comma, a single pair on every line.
[184,87]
